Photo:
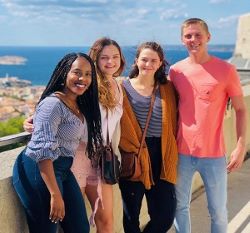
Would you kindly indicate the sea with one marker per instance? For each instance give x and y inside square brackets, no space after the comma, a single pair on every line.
[41,61]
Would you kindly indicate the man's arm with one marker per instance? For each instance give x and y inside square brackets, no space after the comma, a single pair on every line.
[238,154]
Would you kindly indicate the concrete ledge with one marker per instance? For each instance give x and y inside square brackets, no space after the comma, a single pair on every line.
[11,212]
[12,215]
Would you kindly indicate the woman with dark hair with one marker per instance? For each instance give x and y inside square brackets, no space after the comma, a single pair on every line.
[109,63]
[158,158]
[67,113]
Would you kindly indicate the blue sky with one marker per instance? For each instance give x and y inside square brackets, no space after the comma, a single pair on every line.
[130,22]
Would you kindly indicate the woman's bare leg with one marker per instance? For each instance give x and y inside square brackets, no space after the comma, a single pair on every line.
[103,217]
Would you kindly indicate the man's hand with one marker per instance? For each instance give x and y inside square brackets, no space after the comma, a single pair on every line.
[236,159]
[28,124]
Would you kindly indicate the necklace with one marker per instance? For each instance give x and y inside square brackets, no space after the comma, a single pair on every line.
[76,109]
[73,106]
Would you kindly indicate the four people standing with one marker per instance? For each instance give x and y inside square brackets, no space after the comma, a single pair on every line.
[203,83]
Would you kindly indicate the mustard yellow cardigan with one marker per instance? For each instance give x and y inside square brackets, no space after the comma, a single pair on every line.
[131,135]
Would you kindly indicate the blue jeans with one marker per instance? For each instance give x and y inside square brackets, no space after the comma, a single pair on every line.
[214,175]
[35,197]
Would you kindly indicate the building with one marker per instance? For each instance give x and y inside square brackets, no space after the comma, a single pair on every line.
[241,56]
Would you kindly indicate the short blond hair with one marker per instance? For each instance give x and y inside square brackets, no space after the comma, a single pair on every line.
[190,21]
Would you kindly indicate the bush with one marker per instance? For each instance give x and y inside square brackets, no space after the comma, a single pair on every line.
[11,126]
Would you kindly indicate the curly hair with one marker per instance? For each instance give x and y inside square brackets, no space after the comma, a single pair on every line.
[161,74]
[105,96]
[87,102]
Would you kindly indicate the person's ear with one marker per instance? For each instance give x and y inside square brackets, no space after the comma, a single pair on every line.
[208,37]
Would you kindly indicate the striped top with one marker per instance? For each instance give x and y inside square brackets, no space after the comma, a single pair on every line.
[57,131]
[140,105]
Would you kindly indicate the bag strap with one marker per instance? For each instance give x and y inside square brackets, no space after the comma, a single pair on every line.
[108,142]
[148,118]
[107,137]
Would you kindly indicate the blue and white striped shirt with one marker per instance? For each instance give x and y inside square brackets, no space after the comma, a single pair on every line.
[57,131]
[140,105]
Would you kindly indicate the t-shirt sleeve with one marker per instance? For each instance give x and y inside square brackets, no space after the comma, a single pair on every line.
[234,86]
[171,74]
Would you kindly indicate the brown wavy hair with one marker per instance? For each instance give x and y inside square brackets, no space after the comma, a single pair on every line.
[105,96]
[161,73]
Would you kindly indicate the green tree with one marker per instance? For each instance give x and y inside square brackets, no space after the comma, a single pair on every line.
[11,126]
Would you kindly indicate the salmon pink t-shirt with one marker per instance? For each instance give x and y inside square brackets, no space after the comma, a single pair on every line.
[204,90]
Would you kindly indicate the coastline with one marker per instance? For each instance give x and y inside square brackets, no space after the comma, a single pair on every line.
[42,60]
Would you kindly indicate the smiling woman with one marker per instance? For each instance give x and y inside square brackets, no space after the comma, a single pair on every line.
[67,114]
[158,156]
[109,61]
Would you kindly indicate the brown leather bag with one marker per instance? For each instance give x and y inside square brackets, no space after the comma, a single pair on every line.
[130,161]
[130,165]
[109,165]
[109,162]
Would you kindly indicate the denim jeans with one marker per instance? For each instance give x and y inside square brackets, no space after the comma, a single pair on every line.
[214,175]
[35,197]
[161,200]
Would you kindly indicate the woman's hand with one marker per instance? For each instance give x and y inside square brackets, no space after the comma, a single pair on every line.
[28,124]
[57,209]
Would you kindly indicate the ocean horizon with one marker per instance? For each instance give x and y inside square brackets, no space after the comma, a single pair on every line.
[41,60]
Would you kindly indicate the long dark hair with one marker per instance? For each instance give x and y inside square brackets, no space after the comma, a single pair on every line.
[161,74]
[88,102]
